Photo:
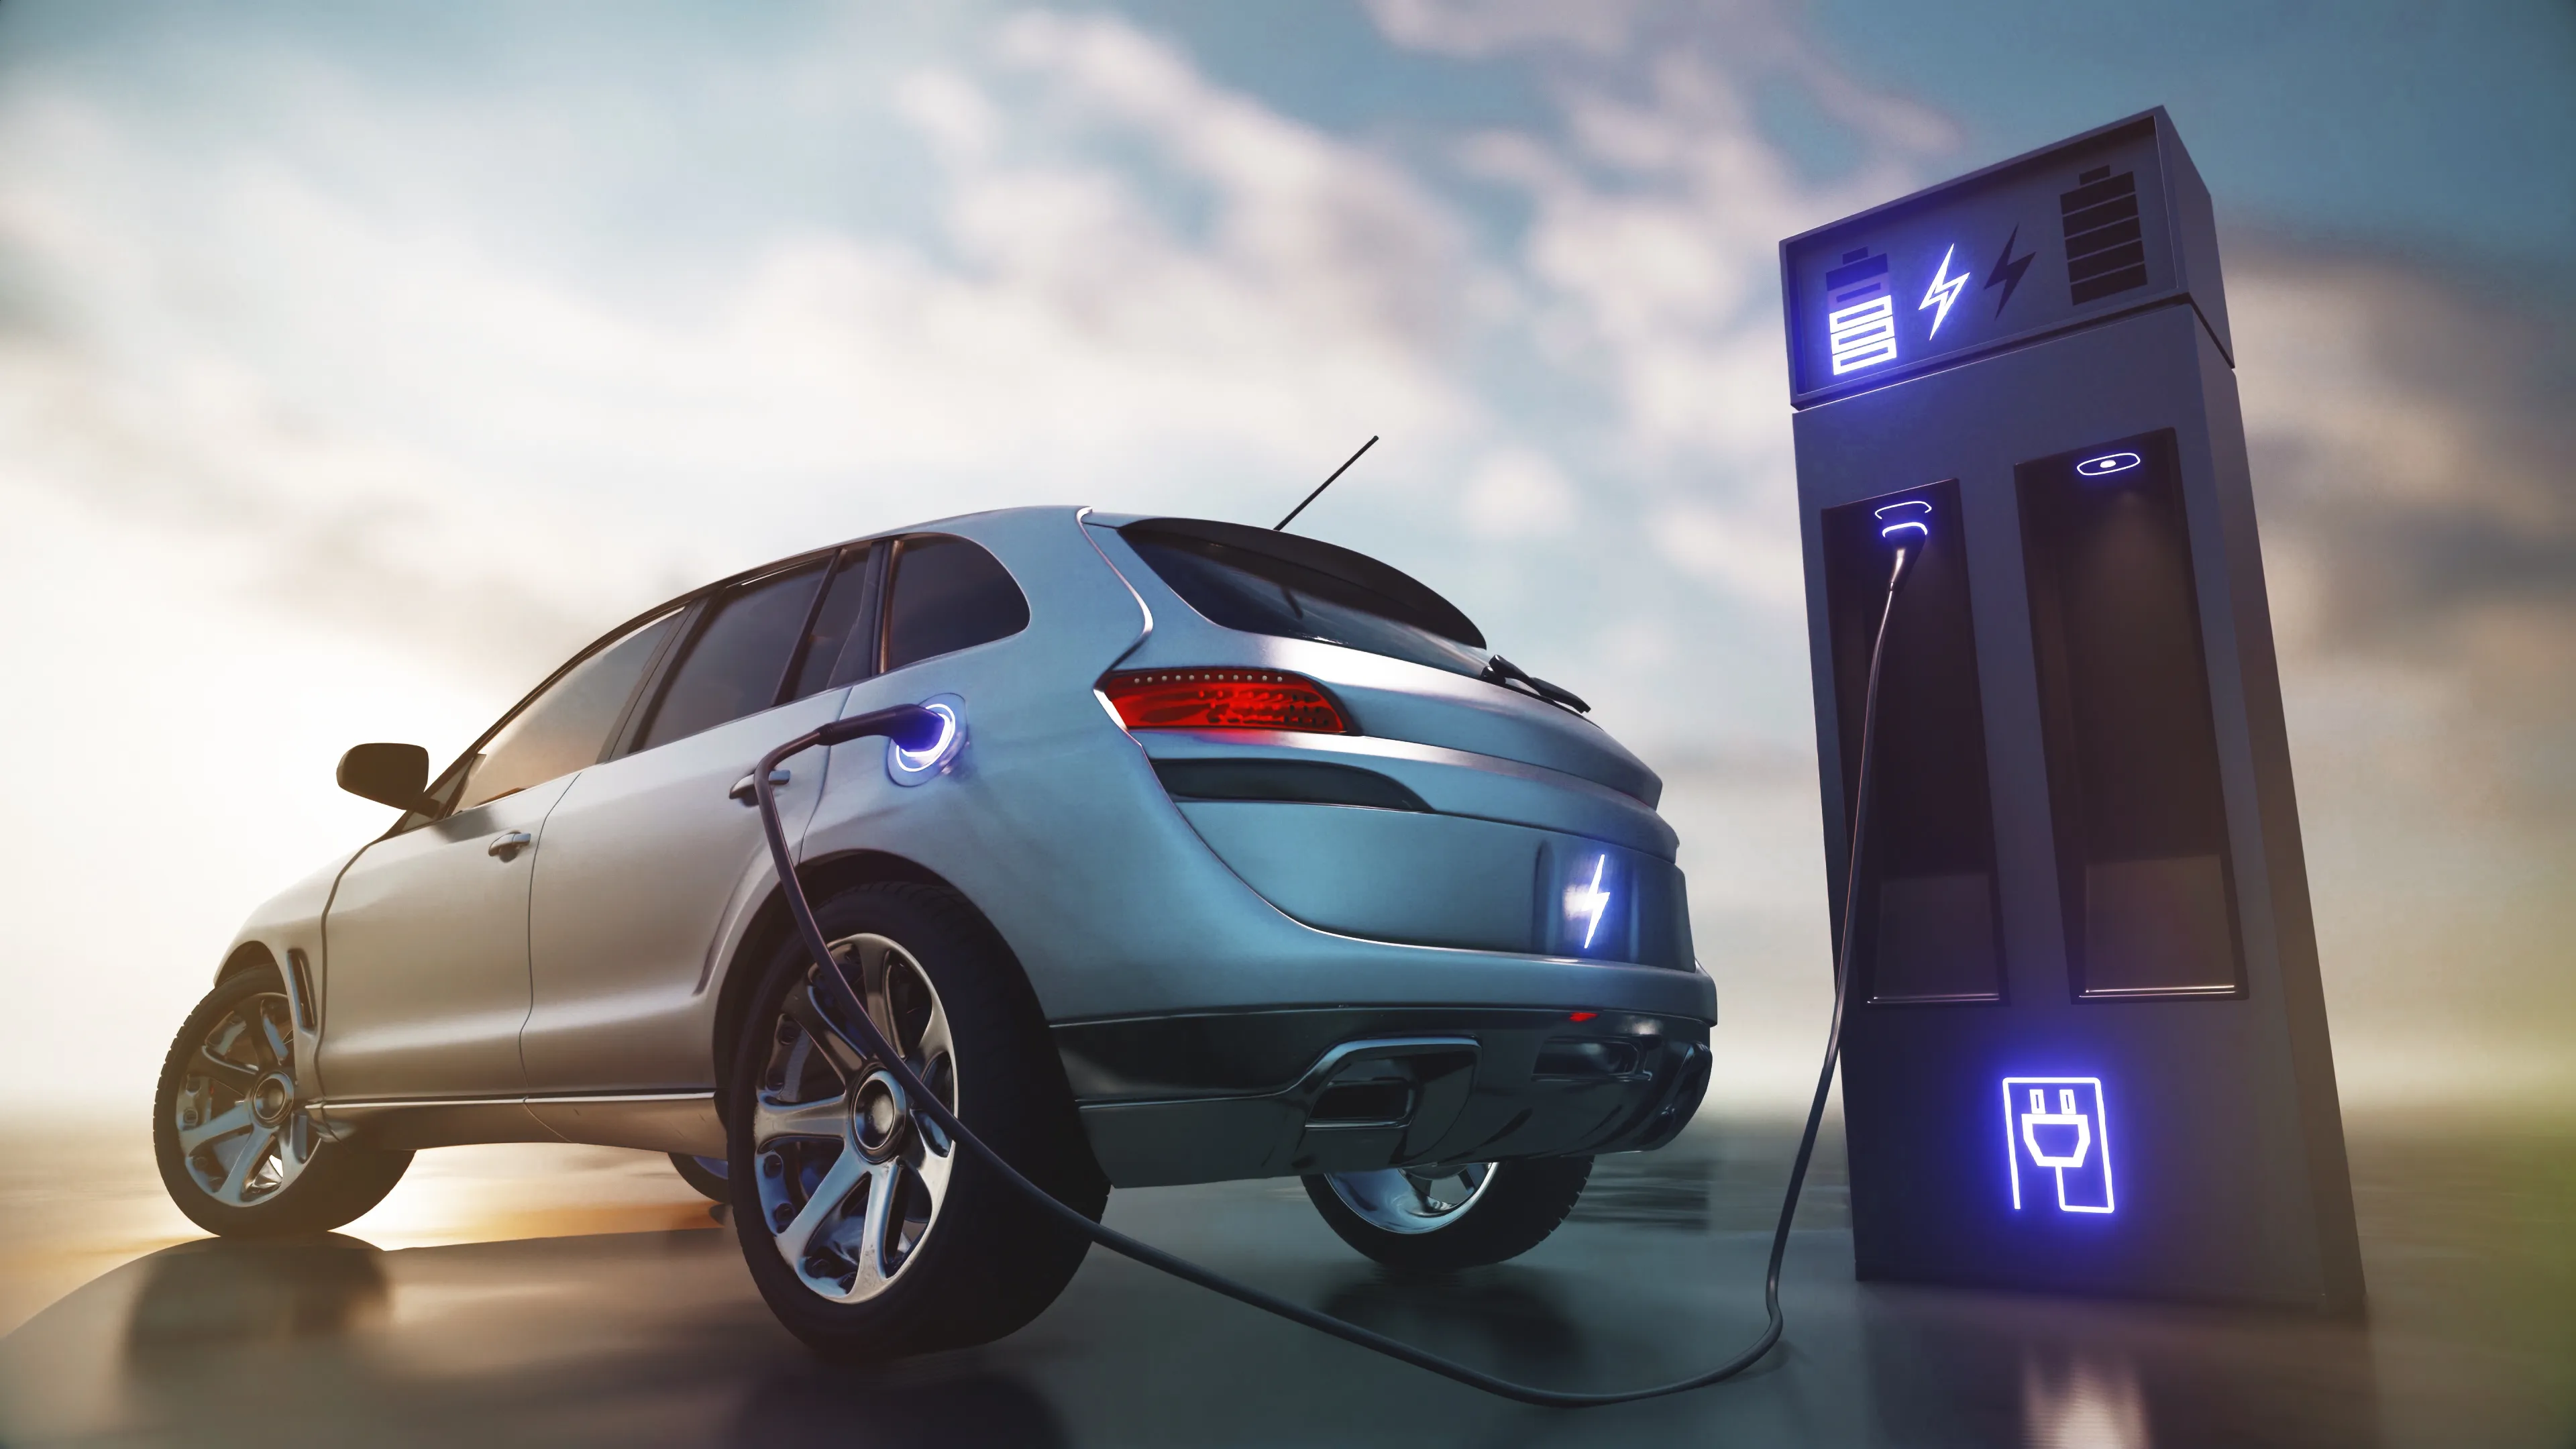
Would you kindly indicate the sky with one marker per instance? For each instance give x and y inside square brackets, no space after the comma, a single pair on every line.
[359,362]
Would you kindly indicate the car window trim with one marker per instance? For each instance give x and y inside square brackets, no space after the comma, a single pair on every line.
[703,613]
[895,550]
[859,652]
[802,655]
[867,634]
[630,721]
[451,780]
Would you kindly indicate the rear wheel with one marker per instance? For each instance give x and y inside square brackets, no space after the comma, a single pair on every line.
[237,1147]
[1440,1219]
[870,1233]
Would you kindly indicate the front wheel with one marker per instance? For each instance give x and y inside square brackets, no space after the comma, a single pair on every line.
[1441,1219]
[238,1149]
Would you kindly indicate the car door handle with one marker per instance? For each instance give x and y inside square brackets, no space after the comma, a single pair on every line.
[503,847]
[742,788]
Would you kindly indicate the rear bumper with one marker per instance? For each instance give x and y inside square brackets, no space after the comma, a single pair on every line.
[1449,880]
[1496,856]
[1210,1097]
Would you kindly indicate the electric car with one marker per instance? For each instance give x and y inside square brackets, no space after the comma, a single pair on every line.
[1238,855]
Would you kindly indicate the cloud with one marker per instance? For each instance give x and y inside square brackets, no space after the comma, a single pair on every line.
[406,418]
[2419,519]
[1122,282]
[1755,554]
[1519,493]
[950,112]
[1480,29]
[1345,238]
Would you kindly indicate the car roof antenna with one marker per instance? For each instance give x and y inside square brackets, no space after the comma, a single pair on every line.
[1282,524]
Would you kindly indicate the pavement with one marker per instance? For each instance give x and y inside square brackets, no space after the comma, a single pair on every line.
[571,1296]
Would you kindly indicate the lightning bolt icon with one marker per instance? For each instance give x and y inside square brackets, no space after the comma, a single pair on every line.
[2008,270]
[1589,902]
[1945,290]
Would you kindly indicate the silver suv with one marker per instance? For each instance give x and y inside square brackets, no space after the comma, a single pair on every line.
[1240,855]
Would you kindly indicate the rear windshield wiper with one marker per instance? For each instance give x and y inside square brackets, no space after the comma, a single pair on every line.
[1499,670]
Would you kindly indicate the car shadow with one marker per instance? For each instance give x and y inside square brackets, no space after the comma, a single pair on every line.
[1497,1319]
[235,1292]
[927,1401]
[645,1338]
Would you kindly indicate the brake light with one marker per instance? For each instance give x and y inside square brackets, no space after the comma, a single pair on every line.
[1223,699]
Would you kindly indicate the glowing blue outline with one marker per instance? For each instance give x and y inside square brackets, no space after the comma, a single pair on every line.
[1862,334]
[1945,290]
[1917,525]
[2101,1139]
[912,767]
[2086,469]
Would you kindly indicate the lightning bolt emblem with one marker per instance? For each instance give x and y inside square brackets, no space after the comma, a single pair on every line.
[1945,290]
[1589,902]
[2008,270]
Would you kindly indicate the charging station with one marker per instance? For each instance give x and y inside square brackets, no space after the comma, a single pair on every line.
[2086,1042]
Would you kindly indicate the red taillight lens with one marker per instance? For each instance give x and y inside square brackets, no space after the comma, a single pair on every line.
[1222,699]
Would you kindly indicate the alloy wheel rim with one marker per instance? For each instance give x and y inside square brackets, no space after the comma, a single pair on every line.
[851,1183]
[244,1137]
[1413,1199]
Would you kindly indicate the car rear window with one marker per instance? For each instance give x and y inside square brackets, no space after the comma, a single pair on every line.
[1283,584]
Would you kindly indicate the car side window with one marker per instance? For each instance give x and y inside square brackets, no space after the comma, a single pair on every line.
[736,661]
[948,594]
[830,656]
[566,726]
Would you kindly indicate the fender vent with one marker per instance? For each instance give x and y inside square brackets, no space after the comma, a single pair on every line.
[305,1007]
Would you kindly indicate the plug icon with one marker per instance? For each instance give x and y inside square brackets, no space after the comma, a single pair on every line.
[2071,1131]
[2057,1126]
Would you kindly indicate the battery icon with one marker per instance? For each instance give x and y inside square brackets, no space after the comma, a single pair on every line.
[1860,320]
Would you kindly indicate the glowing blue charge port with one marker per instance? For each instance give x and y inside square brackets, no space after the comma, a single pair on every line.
[1890,528]
[914,767]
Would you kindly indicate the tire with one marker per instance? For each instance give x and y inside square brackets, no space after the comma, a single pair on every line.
[955,1256]
[1416,1222]
[227,1070]
[709,1175]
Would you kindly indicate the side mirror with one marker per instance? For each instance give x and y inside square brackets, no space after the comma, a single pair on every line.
[396,775]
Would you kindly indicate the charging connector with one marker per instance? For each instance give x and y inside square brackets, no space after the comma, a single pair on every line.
[914,728]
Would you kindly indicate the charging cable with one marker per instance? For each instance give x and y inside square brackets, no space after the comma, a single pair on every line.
[910,726]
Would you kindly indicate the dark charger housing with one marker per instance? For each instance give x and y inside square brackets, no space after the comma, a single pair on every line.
[2086,1048]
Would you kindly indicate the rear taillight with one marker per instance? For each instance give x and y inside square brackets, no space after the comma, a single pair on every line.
[1222,699]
